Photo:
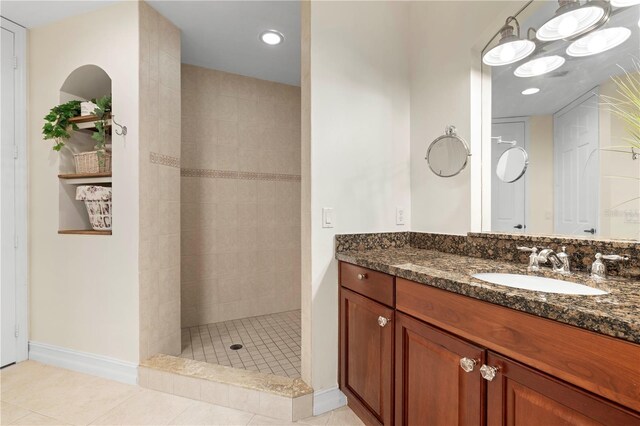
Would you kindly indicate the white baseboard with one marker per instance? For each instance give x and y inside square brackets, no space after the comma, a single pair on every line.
[327,400]
[97,365]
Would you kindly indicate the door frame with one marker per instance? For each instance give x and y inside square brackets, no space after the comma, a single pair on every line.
[527,137]
[21,188]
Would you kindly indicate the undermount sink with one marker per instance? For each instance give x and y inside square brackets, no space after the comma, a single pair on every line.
[546,285]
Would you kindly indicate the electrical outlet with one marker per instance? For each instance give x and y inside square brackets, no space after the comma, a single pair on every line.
[399,215]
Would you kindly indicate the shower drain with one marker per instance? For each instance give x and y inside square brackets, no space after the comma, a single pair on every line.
[235,346]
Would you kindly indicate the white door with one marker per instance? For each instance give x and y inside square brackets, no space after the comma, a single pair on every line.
[8,351]
[576,166]
[507,199]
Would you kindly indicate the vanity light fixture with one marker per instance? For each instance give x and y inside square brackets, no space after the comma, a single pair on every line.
[598,41]
[511,48]
[272,37]
[573,19]
[530,91]
[539,66]
[624,3]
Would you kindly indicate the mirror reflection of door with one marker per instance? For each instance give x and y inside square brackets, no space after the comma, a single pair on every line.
[576,159]
[507,199]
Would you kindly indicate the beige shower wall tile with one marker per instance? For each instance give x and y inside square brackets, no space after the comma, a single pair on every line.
[237,123]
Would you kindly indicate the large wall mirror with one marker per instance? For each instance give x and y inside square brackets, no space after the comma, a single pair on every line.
[562,83]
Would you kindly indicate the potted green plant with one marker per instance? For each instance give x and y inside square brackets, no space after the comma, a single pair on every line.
[58,125]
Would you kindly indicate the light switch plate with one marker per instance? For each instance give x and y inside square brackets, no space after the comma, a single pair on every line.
[399,215]
[328,218]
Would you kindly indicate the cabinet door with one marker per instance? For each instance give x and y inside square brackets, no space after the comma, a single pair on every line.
[521,396]
[431,386]
[366,357]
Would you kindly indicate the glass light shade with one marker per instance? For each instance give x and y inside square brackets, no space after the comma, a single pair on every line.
[624,3]
[530,91]
[509,52]
[539,66]
[570,23]
[598,41]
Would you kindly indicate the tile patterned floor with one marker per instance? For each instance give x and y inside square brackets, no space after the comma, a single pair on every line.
[271,343]
[37,394]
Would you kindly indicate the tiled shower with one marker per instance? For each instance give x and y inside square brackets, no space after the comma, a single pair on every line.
[240,221]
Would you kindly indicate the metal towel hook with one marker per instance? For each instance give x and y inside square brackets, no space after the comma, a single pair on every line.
[123,129]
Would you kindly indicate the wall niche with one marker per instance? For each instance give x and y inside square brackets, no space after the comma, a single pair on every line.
[84,84]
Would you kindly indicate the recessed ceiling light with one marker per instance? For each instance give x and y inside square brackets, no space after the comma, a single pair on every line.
[511,48]
[572,19]
[599,41]
[624,3]
[539,66]
[272,37]
[530,91]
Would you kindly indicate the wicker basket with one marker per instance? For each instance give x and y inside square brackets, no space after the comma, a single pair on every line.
[97,200]
[89,162]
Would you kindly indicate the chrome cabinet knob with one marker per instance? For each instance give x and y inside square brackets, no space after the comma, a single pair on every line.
[362,276]
[382,321]
[468,364]
[488,373]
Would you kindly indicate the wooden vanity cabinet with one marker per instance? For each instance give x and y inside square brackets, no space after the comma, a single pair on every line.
[522,396]
[366,361]
[547,373]
[366,343]
[431,388]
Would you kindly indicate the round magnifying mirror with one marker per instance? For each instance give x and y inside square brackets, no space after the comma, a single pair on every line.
[512,164]
[447,156]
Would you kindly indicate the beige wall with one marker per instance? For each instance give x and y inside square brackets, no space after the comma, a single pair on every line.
[540,175]
[619,174]
[83,290]
[240,196]
[159,184]
[358,160]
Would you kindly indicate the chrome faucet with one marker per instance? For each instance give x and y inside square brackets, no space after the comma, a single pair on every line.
[559,261]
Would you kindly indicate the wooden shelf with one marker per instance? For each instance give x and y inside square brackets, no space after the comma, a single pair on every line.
[86,122]
[83,175]
[85,178]
[86,119]
[83,232]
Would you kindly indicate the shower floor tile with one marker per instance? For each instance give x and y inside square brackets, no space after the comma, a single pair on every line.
[270,343]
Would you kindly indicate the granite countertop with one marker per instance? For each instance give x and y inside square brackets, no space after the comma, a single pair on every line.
[615,314]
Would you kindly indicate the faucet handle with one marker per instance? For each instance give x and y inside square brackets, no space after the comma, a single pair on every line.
[613,257]
[599,269]
[534,264]
[529,249]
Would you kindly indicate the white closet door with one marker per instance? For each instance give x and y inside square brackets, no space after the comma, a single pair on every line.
[507,199]
[576,167]
[8,351]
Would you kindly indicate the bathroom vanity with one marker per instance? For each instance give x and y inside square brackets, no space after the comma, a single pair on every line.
[422,342]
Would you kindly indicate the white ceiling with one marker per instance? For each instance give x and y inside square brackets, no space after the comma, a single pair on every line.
[221,35]
[31,14]
[224,35]
[575,78]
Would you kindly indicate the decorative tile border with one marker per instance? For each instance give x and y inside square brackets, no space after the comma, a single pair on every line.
[164,160]
[230,174]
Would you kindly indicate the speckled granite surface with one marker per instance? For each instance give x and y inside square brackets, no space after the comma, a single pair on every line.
[582,250]
[616,314]
[502,247]
[269,383]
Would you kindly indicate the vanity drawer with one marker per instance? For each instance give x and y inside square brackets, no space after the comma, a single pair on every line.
[601,364]
[372,284]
